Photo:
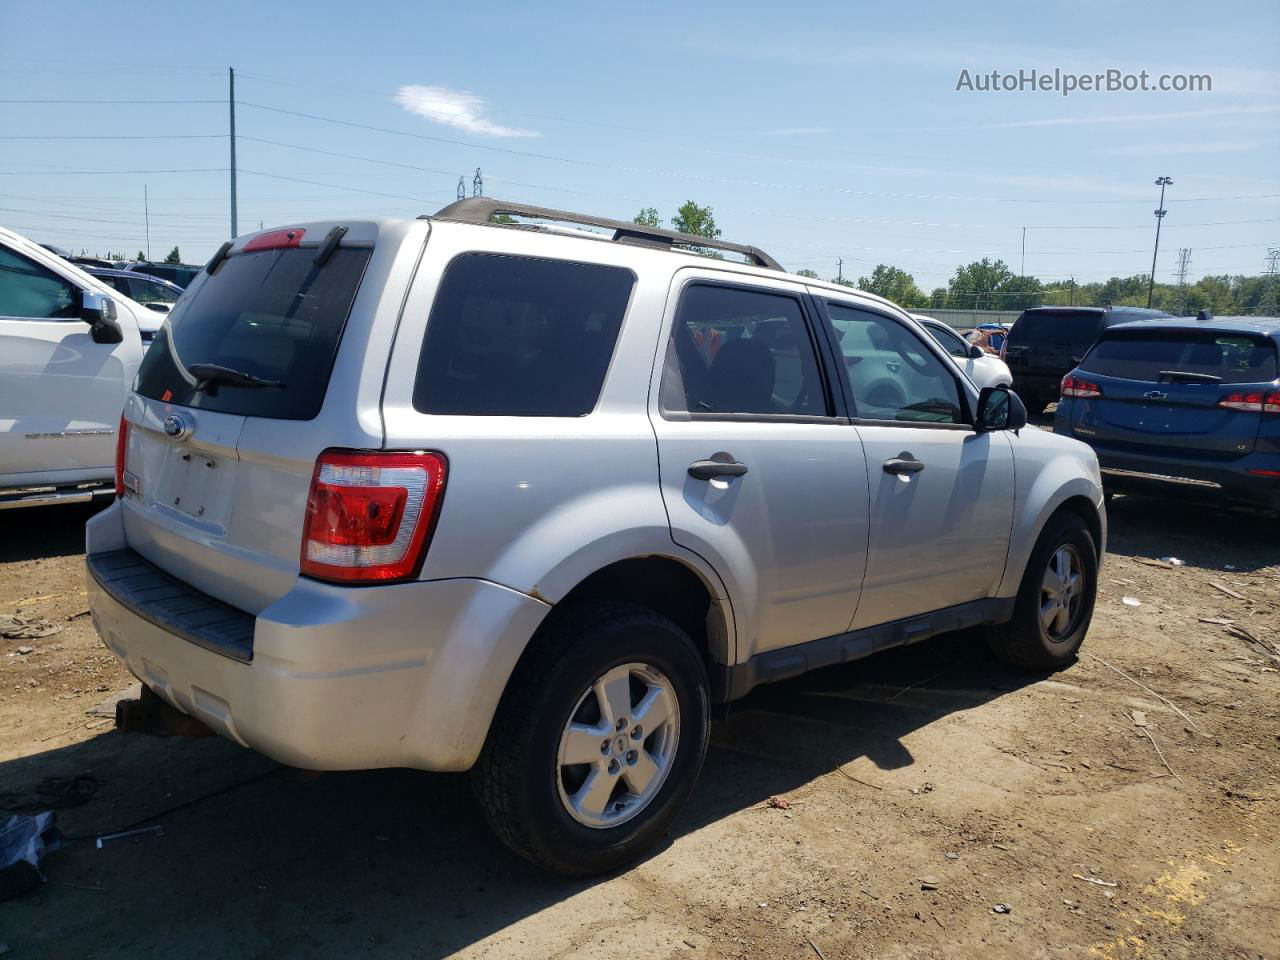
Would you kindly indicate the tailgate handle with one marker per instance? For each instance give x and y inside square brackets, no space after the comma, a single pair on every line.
[716,469]
[903,463]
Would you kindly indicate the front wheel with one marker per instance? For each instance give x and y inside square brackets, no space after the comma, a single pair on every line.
[1055,600]
[598,741]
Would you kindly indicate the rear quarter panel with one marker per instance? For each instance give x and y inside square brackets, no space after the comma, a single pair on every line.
[538,504]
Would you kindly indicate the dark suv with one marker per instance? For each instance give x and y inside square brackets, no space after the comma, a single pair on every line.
[1046,342]
[1181,406]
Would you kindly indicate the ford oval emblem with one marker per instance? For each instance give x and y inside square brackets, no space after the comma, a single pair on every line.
[176,427]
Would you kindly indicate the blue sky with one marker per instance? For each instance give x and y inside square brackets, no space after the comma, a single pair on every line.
[816,131]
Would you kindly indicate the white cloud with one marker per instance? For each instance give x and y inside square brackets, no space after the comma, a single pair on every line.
[1130,117]
[1165,149]
[454,108]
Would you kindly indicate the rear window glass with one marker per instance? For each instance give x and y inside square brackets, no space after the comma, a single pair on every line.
[273,315]
[520,336]
[1056,328]
[1160,356]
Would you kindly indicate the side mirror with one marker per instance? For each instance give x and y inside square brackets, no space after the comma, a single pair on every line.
[99,311]
[999,408]
[976,352]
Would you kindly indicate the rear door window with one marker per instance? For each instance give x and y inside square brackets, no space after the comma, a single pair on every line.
[1161,356]
[1076,329]
[520,336]
[274,315]
[739,351]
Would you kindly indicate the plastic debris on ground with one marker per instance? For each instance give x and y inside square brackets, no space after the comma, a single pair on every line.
[24,841]
[1131,601]
[14,627]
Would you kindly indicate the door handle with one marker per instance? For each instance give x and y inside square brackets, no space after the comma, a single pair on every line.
[716,469]
[903,463]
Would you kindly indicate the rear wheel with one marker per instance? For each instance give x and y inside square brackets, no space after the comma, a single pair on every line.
[598,741]
[1055,600]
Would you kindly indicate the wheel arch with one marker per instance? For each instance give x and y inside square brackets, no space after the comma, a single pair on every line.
[1075,494]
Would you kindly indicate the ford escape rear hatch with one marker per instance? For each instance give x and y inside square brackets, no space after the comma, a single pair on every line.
[252,345]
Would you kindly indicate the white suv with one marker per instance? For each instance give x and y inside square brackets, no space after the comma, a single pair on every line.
[448,494]
[69,348]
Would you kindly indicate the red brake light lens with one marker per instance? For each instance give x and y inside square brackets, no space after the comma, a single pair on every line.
[276,240]
[1073,386]
[122,446]
[1252,401]
[370,515]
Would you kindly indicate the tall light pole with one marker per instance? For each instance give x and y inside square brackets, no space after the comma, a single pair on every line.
[1161,182]
[231,103]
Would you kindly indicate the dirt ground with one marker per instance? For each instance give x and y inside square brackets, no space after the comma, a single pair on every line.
[925,788]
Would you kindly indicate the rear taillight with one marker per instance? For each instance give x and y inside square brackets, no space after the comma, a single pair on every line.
[1252,401]
[370,515]
[1073,386]
[122,446]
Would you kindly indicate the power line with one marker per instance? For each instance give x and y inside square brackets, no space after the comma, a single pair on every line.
[338,186]
[105,173]
[17,100]
[708,179]
[159,136]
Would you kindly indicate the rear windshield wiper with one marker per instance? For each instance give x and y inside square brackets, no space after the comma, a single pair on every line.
[209,375]
[1186,376]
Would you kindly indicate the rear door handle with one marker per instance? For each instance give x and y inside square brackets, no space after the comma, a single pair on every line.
[716,469]
[903,463]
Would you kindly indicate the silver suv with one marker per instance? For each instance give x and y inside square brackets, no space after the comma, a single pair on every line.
[453,493]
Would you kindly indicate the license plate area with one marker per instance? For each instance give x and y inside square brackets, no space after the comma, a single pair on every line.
[196,486]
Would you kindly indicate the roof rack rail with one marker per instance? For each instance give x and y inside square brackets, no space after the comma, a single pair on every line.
[483,209]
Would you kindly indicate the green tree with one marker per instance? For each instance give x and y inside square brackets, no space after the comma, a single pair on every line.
[1018,293]
[140,256]
[648,217]
[699,221]
[975,285]
[893,284]
[174,256]
[938,299]
[843,281]
[811,274]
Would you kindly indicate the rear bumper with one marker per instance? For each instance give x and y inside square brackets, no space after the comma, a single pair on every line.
[340,678]
[1124,470]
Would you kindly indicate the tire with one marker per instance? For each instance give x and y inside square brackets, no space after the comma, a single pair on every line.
[543,805]
[1026,640]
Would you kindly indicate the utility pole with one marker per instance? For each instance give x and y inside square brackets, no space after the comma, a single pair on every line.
[146,208]
[477,184]
[1023,271]
[1184,270]
[1267,307]
[1072,301]
[840,270]
[231,102]
[1161,182]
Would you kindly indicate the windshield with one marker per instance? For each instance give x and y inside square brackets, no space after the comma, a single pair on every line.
[271,315]
[1159,355]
